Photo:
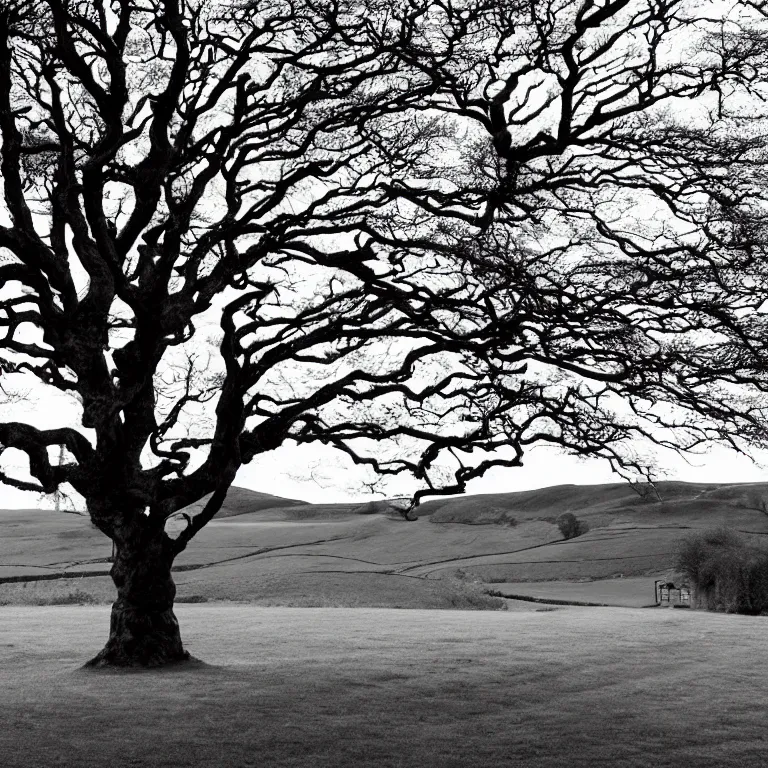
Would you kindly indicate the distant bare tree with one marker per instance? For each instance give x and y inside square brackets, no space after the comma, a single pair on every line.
[409,231]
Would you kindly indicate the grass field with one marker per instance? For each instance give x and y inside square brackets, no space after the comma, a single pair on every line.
[337,676]
[637,592]
[336,688]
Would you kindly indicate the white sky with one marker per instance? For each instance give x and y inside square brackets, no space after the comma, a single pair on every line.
[543,466]
[320,474]
[288,472]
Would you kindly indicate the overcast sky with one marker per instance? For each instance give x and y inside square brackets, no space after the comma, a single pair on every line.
[318,474]
[543,466]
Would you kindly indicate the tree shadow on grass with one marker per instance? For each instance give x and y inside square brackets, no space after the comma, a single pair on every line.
[190,665]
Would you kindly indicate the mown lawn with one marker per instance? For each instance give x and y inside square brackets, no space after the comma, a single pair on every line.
[336,688]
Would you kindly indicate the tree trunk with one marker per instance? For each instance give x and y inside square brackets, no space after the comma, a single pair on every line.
[143,629]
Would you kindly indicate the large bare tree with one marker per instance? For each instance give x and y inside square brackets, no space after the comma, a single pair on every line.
[410,231]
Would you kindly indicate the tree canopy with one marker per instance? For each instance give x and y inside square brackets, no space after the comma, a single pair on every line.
[606,202]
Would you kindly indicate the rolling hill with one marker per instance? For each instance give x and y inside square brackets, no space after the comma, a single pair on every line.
[276,551]
[600,503]
[241,501]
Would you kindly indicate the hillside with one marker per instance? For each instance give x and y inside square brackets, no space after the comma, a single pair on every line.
[275,551]
[240,501]
[598,503]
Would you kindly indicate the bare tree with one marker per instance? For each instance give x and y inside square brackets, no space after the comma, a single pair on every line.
[167,166]
[407,231]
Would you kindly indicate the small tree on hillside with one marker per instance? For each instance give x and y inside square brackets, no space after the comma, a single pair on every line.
[570,526]
[408,231]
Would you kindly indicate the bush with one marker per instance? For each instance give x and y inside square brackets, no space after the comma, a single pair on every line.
[726,572]
[570,525]
[73,597]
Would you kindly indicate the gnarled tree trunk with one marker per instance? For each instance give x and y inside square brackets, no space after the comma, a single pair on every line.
[143,629]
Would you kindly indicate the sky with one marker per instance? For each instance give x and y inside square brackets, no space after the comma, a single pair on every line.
[278,473]
[320,474]
[317,474]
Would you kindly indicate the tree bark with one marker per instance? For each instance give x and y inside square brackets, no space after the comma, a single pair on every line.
[143,628]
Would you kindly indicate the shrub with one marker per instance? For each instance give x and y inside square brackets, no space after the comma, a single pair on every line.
[570,525]
[726,572]
[74,597]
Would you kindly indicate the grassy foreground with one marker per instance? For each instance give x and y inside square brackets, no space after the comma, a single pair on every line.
[335,688]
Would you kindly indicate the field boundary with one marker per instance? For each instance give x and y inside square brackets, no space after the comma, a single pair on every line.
[174,569]
[51,576]
[553,601]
